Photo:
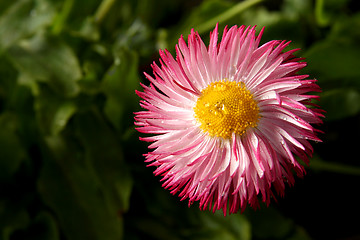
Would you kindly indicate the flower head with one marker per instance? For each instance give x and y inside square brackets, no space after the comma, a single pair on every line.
[227,120]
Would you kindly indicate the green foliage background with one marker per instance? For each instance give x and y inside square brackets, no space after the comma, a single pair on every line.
[71,165]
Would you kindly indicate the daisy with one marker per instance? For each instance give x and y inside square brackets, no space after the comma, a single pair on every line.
[227,120]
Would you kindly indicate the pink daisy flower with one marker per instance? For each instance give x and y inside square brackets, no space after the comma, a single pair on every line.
[227,120]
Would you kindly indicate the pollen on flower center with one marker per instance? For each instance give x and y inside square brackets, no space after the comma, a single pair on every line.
[226,107]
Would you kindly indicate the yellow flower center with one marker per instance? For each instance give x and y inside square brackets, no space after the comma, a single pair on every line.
[226,107]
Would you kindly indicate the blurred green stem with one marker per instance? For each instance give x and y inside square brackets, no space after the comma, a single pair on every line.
[103,9]
[320,17]
[62,16]
[321,165]
[238,8]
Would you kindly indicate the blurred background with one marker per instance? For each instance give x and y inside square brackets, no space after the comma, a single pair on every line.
[71,164]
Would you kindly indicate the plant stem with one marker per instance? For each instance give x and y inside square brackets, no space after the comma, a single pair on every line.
[62,16]
[321,165]
[321,19]
[238,8]
[103,9]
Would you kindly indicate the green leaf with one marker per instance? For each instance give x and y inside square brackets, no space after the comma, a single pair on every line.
[22,19]
[329,61]
[299,234]
[104,151]
[268,223]
[327,11]
[89,30]
[12,153]
[41,227]
[53,112]
[48,60]
[70,187]
[340,103]
[8,73]
[138,37]
[319,164]
[216,226]
[62,115]
[154,228]
[342,30]
[44,227]
[286,25]
[29,82]
[119,84]
[18,109]
[90,83]
[12,218]
[293,9]
[207,10]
